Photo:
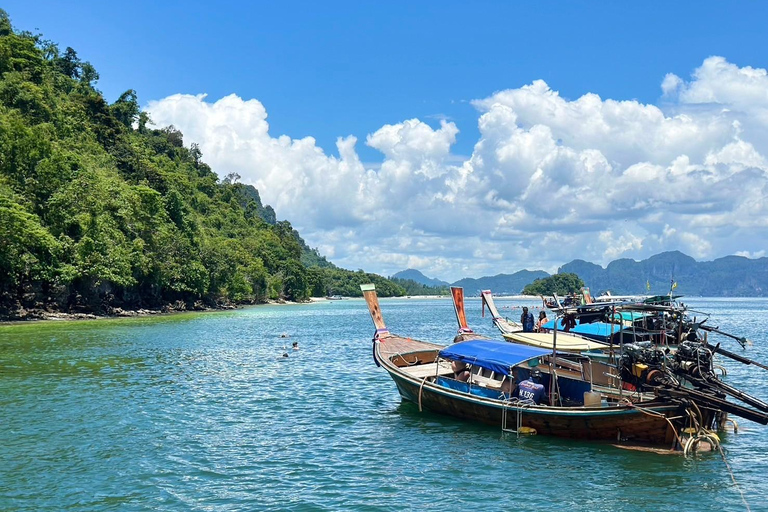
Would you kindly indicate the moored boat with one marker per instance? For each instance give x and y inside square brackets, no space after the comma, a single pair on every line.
[504,325]
[513,331]
[425,373]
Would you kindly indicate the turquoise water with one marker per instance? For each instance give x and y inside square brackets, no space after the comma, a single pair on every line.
[200,412]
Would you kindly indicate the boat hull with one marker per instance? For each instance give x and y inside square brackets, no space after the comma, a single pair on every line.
[613,423]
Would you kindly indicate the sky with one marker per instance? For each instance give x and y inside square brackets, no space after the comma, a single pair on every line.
[460,139]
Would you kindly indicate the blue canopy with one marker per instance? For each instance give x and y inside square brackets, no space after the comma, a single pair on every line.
[597,330]
[630,315]
[497,356]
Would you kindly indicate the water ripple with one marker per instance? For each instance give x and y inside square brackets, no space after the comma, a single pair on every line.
[202,412]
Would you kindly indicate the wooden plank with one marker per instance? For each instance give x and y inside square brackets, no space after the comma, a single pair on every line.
[369,292]
[458,307]
[429,370]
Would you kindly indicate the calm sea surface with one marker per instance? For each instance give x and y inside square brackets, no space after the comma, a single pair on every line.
[200,412]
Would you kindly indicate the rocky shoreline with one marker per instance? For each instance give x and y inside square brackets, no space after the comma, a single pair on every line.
[39,314]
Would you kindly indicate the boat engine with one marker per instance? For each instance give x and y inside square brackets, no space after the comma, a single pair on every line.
[693,359]
[646,367]
[686,376]
[642,365]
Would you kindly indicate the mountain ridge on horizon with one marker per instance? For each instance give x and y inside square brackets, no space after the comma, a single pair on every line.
[735,276]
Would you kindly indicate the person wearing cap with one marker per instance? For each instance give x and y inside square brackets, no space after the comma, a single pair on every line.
[527,320]
[531,390]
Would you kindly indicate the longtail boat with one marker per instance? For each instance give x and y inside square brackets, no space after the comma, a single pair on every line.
[675,417]
[504,325]
[513,331]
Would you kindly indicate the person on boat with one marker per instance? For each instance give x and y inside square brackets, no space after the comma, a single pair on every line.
[460,371]
[569,322]
[295,345]
[531,389]
[542,320]
[527,320]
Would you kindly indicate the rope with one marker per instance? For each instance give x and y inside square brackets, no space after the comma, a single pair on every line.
[421,387]
[398,354]
[738,488]
[656,414]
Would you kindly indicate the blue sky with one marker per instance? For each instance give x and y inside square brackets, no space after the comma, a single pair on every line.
[336,69]
[340,68]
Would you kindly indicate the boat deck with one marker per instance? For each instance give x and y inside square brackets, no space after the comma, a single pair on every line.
[393,345]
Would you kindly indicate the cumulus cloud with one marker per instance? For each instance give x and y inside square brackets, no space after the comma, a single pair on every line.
[549,180]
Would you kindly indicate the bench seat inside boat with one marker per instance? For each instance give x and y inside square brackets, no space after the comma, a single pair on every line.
[429,370]
[466,387]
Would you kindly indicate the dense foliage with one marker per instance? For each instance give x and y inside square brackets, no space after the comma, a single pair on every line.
[98,210]
[561,284]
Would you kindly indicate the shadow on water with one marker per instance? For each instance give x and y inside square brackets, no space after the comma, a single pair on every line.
[621,477]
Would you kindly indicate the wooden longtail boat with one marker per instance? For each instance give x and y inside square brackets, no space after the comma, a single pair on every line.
[424,375]
[504,325]
[513,331]
[592,366]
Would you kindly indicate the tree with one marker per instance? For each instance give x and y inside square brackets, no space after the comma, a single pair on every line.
[231,178]
[68,64]
[89,76]
[295,284]
[28,251]
[561,284]
[126,108]
[5,24]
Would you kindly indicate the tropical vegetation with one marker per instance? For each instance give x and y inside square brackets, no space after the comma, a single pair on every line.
[561,284]
[100,210]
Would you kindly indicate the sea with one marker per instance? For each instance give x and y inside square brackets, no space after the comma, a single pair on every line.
[203,412]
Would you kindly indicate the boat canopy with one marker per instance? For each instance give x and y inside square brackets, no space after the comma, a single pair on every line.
[658,299]
[596,330]
[629,316]
[497,356]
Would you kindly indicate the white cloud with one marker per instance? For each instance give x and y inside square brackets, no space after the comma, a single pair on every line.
[549,180]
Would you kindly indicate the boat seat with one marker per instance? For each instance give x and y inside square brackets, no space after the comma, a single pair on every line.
[486,382]
[429,370]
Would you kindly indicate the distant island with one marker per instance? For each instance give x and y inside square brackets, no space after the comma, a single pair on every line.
[730,276]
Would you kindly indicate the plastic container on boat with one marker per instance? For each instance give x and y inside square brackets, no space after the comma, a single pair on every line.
[592,399]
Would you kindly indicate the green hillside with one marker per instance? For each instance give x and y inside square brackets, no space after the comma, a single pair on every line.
[731,276]
[99,211]
[501,284]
